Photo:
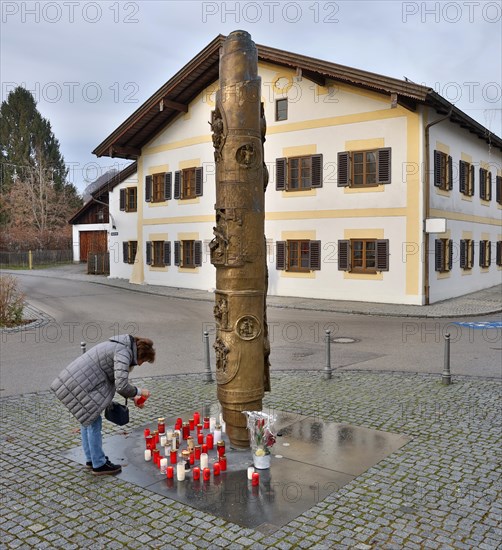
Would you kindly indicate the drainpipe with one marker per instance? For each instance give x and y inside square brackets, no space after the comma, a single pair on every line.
[427,206]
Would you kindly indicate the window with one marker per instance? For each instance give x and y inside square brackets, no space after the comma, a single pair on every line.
[188,183]
[485,256]
[158,253]
[364,168]
[499,253]
[466,178]
[363,255]
[498,189]
[129,249]
[466,254]
[298,255]
[158,187]
[485,184]
[188,253]
[129,199]
[443,255]
[298,173]
[443,171]
[281,109]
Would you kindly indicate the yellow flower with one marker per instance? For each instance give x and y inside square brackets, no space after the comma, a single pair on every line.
[260,452]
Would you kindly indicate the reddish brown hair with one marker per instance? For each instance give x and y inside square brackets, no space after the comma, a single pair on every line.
[146,351]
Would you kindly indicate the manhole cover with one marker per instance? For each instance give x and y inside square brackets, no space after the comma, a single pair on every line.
[344,340]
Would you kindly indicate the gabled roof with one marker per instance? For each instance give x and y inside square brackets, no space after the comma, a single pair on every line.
[176,94]
[102,191]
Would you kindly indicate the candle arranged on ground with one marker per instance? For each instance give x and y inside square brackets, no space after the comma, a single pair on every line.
[204,460]
[180,471]
[216,468]
[163,465]
[210,441]
[170,472]
[212,423]
[206,474]
[250,472]
[223,463]
[196,417]
[173,457]
[163,440]
[220,448]
[255,479]
[206,423]
[217,433]
[161,426]
[148,454]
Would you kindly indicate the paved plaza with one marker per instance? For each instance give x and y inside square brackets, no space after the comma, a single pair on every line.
[440,490]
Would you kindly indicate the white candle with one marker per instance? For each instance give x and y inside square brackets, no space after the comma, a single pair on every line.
[212,423]
[167,450]
[250,472]
[163,465]
[173,443]
[163,440]
[180,471]
[223,426]
[221,418]
[217,435]
[169,435]
[204,461]
[148,454]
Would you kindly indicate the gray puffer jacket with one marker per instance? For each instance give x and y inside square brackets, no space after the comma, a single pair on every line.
[87,385]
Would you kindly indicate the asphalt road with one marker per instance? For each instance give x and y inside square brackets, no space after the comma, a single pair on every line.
[88,312]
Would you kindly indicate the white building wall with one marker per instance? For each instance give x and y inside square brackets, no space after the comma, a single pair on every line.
[482,219]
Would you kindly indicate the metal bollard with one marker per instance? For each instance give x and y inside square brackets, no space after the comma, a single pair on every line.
[83,345]
[327,368]
[209,376]
[446,376]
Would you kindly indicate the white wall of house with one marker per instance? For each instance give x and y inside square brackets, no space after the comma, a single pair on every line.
[465,216]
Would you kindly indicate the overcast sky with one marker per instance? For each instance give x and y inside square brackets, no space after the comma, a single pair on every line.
[91,64]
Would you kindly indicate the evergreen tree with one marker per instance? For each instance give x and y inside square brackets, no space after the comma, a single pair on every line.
[33,173]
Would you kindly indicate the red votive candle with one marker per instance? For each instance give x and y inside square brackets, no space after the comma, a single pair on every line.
[185,430]
[192,458]
[196,417]
[197,450]
[255,479]
[191,424]
[156,457]
[178,424]
[210,441]
[206,423]
[223,463]
[220,447]
[199,428]
[204,448]
[170,472]
[146,431]
[173,457]
[156,436]
[196,473]
[200,438]
[161,426]
[206,474]
[149,442]
[216,468]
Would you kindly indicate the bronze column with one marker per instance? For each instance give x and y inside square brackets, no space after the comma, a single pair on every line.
[238,246]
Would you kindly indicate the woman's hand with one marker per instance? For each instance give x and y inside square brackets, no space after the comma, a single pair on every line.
[139,400]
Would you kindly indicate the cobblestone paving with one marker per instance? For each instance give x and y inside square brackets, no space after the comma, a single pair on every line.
[441,490]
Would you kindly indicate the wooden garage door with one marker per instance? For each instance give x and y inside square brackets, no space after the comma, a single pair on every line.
[92,241]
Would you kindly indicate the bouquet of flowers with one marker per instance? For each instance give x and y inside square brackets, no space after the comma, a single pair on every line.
[261,433]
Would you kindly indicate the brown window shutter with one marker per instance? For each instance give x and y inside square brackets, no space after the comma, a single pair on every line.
[280,256]
[439,254]
[198,181]
[489,187]
[463,254]
[177,252]
[149,253]
[384,165]
[122,199]
[198,253]
[437,168]
[462,170]
[499,253]
[315,255]
[449,167]
[148,188]
[344,256]
[280,173]
[343,172]
[177,185]
[317,171]
[168,180]
[450,254]
[167,252]
[382,255]
[125,252]
[488,253]
[498,189]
